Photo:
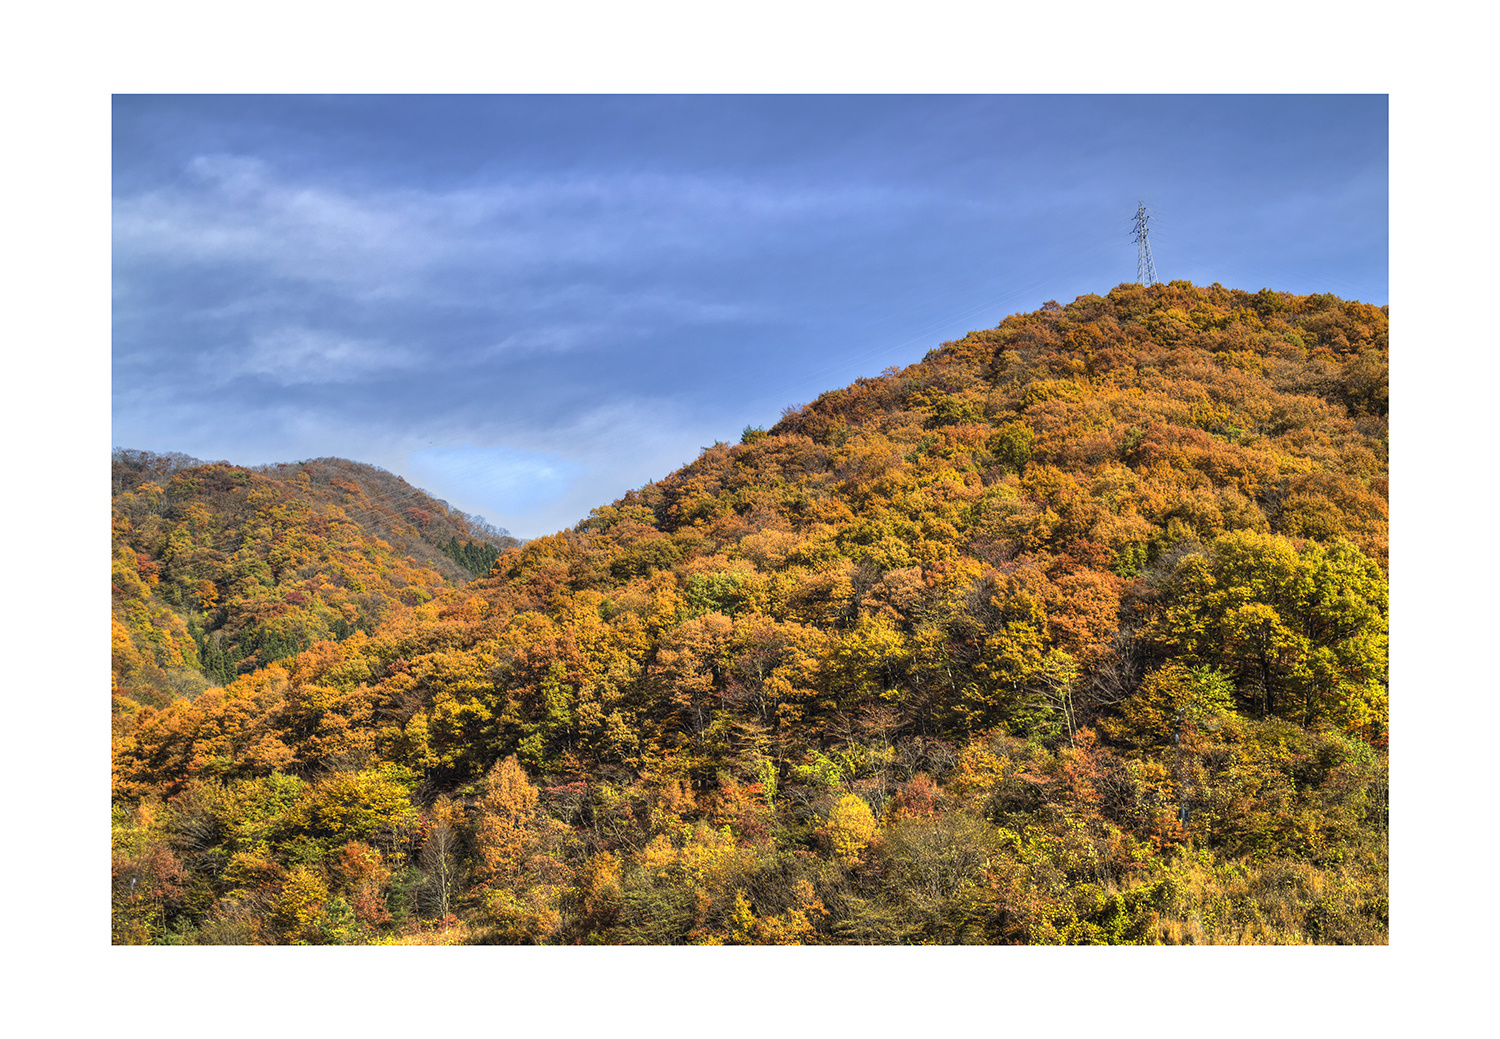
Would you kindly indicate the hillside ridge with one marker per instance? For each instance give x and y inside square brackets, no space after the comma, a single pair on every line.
[218,567]
[1072,632]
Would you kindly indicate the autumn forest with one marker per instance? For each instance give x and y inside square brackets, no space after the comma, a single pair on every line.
[1074,632]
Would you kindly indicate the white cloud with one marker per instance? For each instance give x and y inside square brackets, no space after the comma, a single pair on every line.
[237,211]
[296,356]
[375,242]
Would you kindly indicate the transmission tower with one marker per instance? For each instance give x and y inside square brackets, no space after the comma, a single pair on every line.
[1145,269]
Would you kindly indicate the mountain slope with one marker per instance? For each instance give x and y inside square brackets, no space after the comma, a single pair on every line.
[218,568]
[1073,632]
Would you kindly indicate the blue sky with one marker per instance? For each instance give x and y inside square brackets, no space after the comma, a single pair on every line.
[530,304]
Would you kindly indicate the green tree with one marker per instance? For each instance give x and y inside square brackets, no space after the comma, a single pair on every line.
[1010,445]
[1169,698]
[1303,633]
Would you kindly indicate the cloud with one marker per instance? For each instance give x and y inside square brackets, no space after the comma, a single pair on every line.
[375,241]
[236,211]
[298,356]
[239,268]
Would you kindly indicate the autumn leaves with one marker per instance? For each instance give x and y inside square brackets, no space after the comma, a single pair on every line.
[1068,633]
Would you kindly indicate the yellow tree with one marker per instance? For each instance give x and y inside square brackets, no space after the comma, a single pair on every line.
[850,827]
[505,812]
[515,842]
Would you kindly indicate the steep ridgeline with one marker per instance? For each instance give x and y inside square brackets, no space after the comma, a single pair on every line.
[219,569]
[1073,632]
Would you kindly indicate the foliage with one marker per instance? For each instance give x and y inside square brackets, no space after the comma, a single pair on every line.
[1074,632]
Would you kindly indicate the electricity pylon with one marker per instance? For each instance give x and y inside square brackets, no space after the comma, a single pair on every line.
[1145,269]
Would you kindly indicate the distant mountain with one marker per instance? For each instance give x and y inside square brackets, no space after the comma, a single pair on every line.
[220,568]
[1073,632]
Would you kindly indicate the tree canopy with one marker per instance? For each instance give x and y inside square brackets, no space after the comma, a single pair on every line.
[1073,632]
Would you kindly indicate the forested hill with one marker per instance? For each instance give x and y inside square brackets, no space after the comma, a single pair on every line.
[219,568]
[1073,632]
